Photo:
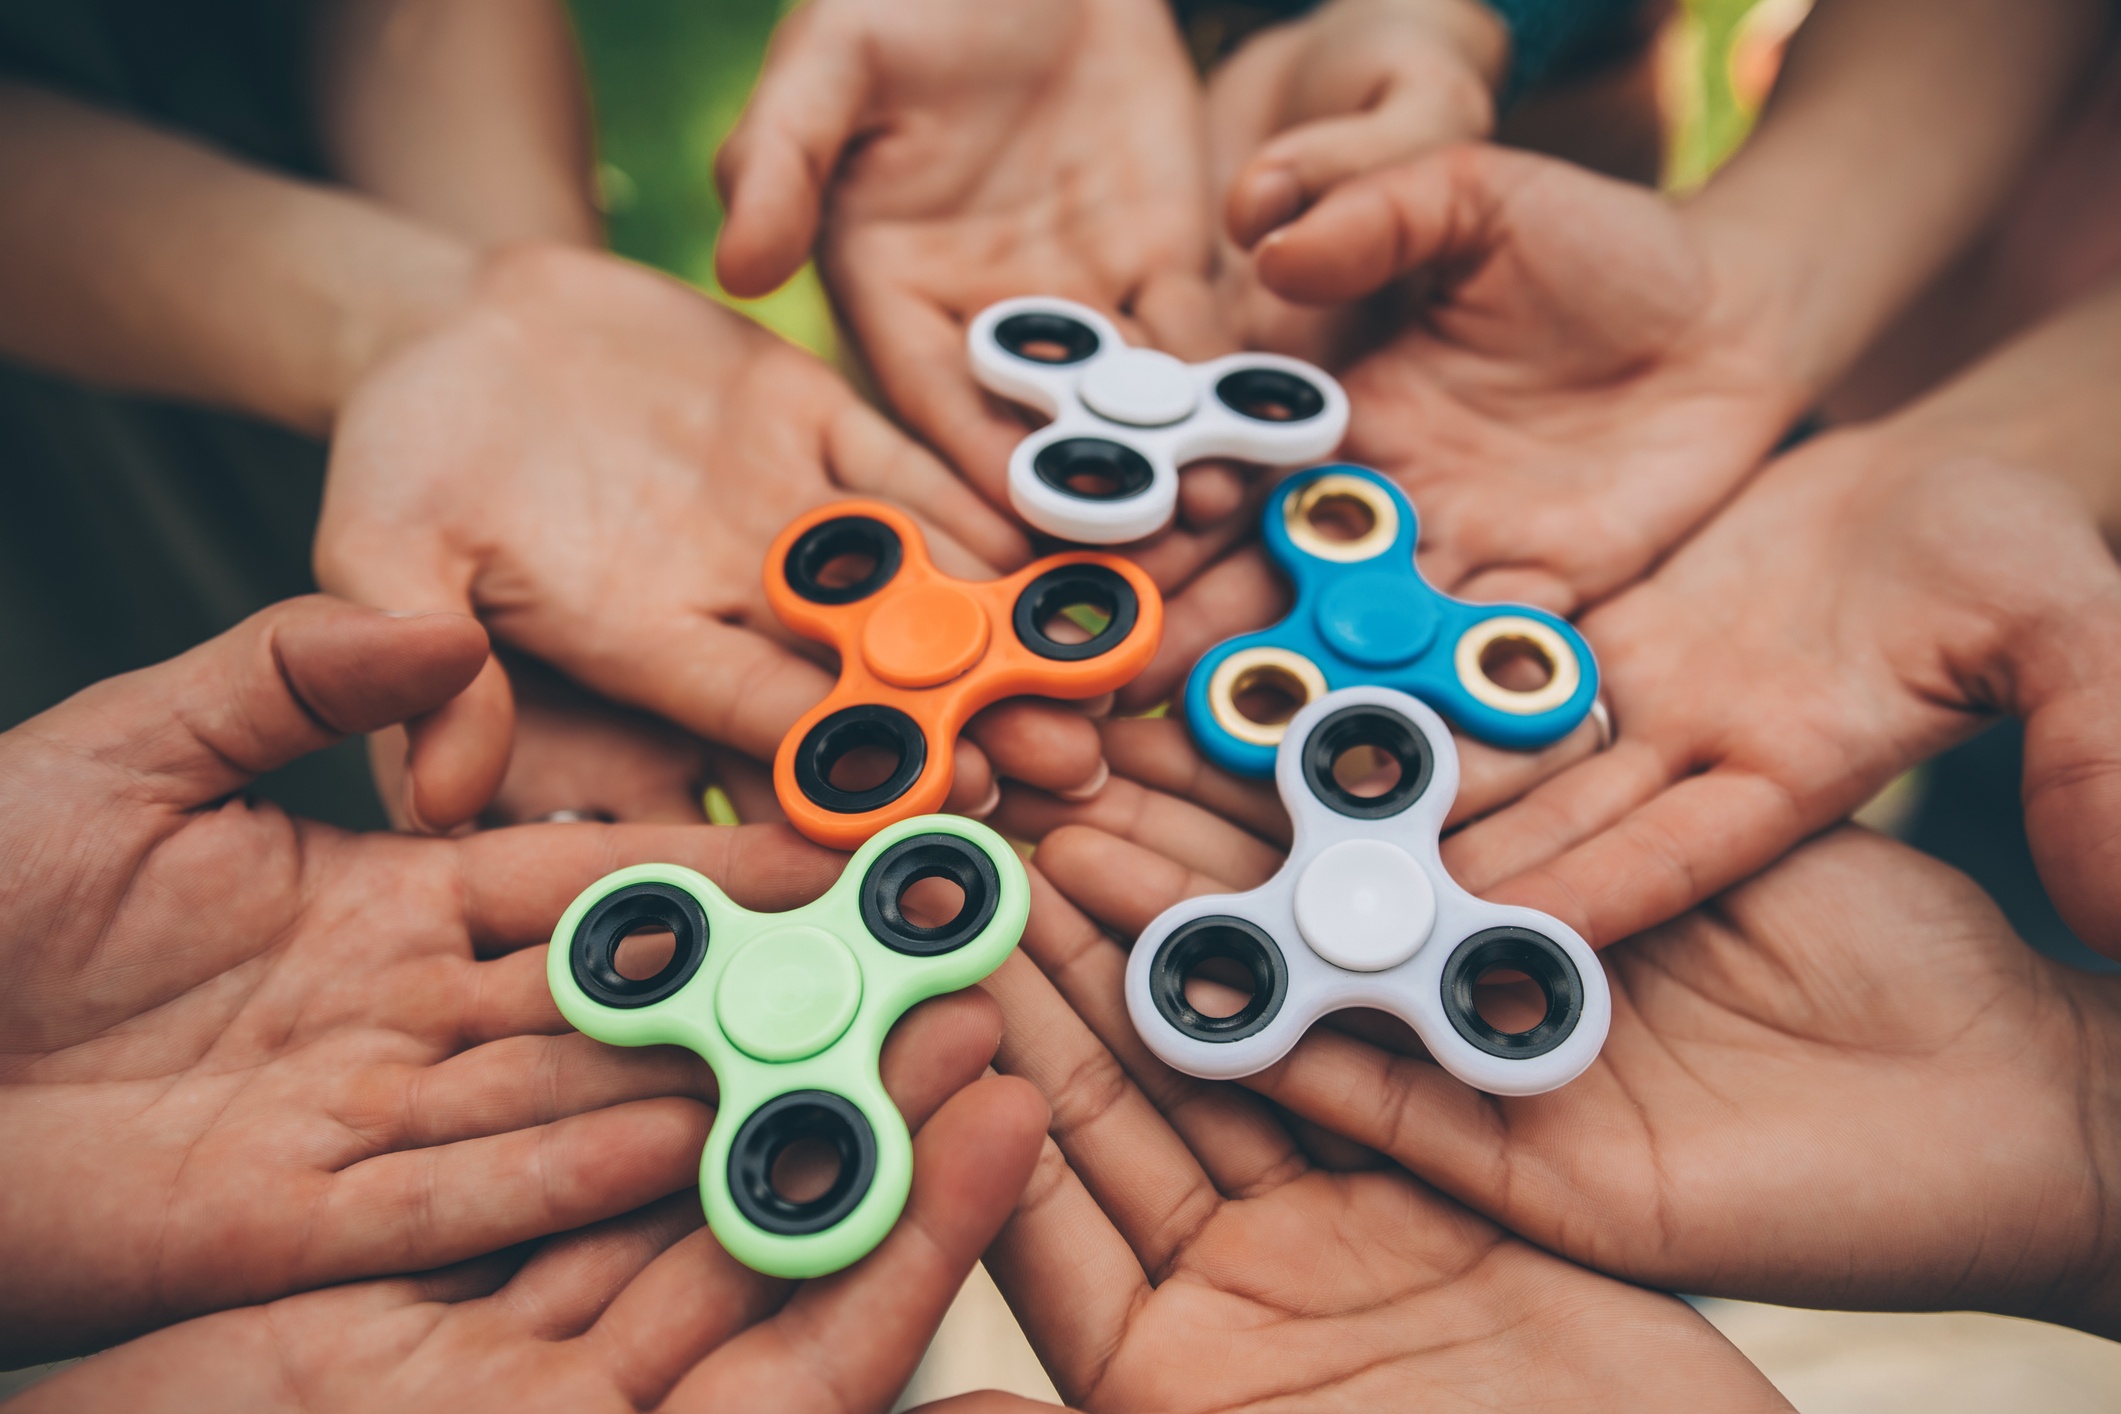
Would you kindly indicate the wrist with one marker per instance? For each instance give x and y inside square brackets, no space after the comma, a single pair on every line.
[2089,1298]
[397,282]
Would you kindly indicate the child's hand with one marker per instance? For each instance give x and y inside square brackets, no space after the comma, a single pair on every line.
[945,154]
[593,459]
[1179,1249]
[1844,1084]
[242,1055]
[1353,86]
[646,1311]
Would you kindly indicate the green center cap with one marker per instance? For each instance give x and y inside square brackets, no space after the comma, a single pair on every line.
[789,994]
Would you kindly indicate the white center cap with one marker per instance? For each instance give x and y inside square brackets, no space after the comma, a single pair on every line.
[1140,387]
[1365,905]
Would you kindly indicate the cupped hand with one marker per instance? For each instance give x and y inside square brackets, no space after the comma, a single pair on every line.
[643,1312]
[1845,1083]
[1177,1249]
[1869,601]
[593,459]
[1577,377]
[243,1055]
[1319,100]
[945,154]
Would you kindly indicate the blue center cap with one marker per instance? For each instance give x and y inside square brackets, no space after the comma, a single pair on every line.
[1375,619]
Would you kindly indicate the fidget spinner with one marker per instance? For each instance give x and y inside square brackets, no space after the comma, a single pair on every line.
[921,652]
[1363,915]
[791,1010]
[1125,419]
[1507,674]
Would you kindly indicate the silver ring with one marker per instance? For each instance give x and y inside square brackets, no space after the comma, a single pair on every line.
[1604,717]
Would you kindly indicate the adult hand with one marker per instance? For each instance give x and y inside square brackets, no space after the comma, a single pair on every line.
[944,154]
[243,1055]
[1845,1084]
[643,1312]
[593,459]
[1178,1249]
[1580,380]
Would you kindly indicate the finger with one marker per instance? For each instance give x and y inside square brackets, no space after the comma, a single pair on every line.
[1558,814]
[1043,744]
[1297,167]
[1079,861]
[1235,1141]
[1370,231]
[851,1340]
[772,168]
[1181,833]
[916,351]
[457,751]
[421,1208]
[974,791]
[1142,1175]
[1696,839]
[1209,493]
[570,1280]
[1178,554]
[2071,699]
[866,454]
[515,883]
[983,1401]
[1490,777]
[1159,753]
[718,681]
[287,681]
[1068,1275]
[1237,594]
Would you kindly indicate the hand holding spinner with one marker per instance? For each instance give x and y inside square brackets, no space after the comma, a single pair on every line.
[791,1010]
[921,652]
[1345,537]
[1125,419]
[1363,915]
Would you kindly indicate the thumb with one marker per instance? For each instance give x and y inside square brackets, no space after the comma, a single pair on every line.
[287,681]
[1448,206]
[773,168]
[2072,778]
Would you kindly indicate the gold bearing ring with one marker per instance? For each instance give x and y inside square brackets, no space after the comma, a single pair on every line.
[1244,667]
[1563,671]
[1384,518]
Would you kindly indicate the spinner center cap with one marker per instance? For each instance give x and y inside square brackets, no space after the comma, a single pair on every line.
[1365,905]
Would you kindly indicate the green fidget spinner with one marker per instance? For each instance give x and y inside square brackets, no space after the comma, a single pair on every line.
[791,1010]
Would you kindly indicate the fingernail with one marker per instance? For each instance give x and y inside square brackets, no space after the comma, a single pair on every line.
[409,803]
[988,803]
[1089,789]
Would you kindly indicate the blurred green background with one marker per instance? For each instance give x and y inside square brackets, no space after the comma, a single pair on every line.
[670,77]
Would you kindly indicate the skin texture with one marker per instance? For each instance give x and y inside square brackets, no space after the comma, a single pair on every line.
[1775,1059]
[593,459]
[643,1312]
[243,1055]
[1179,1249]
[944,154]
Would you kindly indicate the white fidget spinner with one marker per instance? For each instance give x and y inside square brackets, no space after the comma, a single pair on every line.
[1125,419]
[1363,915]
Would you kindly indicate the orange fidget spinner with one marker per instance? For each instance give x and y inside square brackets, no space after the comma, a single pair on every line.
[921,652]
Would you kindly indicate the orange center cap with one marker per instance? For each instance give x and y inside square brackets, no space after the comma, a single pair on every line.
[925,635]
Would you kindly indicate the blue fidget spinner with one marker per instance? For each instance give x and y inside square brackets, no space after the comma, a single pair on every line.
[1506,674]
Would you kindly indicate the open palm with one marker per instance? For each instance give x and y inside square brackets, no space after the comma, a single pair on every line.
[1180,1250]
[243,1055]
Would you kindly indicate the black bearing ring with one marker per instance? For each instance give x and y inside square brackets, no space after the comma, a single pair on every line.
[936,856]
[1538,957]
[843,535]
[1127,470]
[1219,935]
[1020,331]
[766,1135]
[1365,725]
[1094,584]
[593,952]
[1249,392]
[868,724]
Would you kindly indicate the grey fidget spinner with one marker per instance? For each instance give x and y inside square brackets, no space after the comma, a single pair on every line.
[1363,915]
[1125,419]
